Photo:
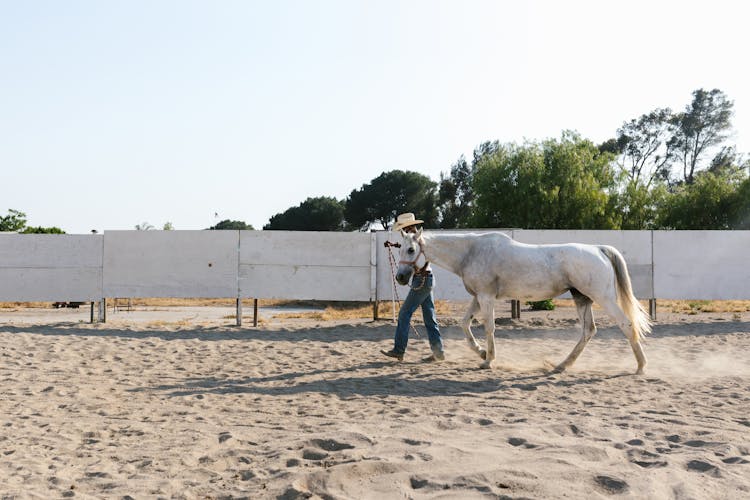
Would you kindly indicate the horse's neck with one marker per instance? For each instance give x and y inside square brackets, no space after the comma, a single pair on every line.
[446,251]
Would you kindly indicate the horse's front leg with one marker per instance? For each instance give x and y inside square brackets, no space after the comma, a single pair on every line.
[488,313]
[466,327]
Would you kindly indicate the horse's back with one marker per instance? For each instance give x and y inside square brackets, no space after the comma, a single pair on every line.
[528,270]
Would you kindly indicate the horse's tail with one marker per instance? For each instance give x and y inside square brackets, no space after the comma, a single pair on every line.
[625,297]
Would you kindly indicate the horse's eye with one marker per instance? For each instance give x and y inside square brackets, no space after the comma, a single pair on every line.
[411,250]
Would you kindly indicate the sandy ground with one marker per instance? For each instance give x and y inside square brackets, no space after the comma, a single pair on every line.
[180,403]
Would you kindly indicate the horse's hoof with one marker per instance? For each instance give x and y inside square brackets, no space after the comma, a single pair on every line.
[486,365]
[483,354]
[640,371]
[557,369]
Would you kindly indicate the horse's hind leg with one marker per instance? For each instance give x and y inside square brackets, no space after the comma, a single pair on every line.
[466,327]
[614,310]
[586,317]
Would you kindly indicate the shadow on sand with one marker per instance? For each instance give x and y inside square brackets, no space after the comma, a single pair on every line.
[344,383]
[367,331]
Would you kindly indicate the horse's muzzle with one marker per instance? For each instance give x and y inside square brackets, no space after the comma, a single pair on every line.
[403,278]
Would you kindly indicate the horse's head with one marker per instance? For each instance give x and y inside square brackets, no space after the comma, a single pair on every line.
[411,256]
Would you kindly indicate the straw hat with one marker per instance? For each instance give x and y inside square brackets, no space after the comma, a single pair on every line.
[405,220]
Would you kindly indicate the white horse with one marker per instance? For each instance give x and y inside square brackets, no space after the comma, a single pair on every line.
[494,266]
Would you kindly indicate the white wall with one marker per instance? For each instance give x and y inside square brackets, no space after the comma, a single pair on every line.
[306,265]
[327,266]
[702,264]
[170,263]
[50,267]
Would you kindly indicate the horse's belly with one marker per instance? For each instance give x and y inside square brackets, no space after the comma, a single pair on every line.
[518,287]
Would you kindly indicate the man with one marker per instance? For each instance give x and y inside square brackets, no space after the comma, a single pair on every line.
[420,294]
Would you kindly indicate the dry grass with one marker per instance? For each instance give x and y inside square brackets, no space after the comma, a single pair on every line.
[357,310]
[704,306]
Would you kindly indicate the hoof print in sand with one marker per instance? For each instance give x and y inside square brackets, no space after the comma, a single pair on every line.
[309,454]
[515,441]
[417,483]
[330,445]
[702,466]
[611,484]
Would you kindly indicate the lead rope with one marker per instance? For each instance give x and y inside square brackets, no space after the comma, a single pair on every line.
[392,261]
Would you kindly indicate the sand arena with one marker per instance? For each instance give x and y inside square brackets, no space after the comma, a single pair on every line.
[176,402]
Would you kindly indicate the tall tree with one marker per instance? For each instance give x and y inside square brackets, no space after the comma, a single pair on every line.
[703,125]
[456,195]
[390,194]
[645,147]
[314,214]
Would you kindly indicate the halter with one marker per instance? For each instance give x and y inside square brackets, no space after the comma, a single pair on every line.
[413,263]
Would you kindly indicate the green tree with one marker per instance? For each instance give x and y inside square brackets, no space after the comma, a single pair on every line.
[14,221]
[740,210]
[143,226]
[231,224]
[390,194]
[644,146]
[168,226]
[456,195]
[555,184]
[637,205]
[313,214]
[703,125]
[711,201]
[42,230]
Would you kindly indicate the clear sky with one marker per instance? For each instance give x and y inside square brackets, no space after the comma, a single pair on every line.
[118,113]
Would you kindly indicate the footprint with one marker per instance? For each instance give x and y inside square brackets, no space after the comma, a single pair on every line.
[330,445]
[649,465]
[308,454]
[701,466]
[417,483]
[611,485]
[735,460]
[697,443]
[516,441]
[645,459]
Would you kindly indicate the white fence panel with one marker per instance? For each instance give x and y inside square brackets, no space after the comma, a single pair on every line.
[635,247]
[170,263]
[703,265]
[306,265]
[50,267]
[328,266]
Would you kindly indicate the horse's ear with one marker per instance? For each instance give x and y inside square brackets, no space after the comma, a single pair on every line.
[419,234]
[403,233]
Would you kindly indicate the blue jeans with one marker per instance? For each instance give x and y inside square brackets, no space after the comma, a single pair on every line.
[420,294]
